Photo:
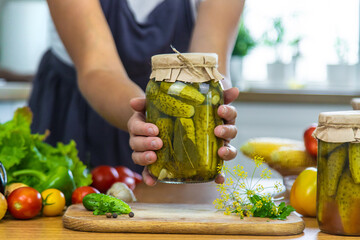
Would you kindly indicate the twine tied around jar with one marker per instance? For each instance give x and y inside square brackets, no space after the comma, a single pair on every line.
[185,67]
[187,62]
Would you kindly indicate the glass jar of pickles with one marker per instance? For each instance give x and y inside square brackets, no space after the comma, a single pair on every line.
[338,184]
[182,99]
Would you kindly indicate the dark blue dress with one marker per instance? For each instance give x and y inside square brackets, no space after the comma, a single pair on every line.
[58,105]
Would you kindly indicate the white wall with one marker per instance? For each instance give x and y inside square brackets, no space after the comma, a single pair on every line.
[24,34]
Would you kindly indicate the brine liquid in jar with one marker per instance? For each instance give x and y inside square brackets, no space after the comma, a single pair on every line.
[186,115]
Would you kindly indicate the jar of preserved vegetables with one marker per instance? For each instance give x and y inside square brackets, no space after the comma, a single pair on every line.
[182,99]
[338,183]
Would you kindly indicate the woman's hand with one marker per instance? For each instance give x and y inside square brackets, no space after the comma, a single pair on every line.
[144,140]
[227,131]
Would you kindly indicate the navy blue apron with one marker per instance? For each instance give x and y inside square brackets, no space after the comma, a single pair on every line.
[58,105]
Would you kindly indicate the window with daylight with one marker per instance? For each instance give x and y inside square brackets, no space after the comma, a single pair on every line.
[288,44]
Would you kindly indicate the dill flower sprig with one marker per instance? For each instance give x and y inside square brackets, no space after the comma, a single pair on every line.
[242,196]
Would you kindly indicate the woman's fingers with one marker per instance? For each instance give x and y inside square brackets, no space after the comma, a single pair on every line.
[144,158]
[138,126]
[140,143]
[227,152]
[226,132]
[220,179]
[147,178]
[228,113]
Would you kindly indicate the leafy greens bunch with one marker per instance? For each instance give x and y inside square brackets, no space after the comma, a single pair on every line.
[29,160]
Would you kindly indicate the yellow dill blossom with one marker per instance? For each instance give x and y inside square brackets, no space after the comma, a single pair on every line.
[250,192]
[227,211]
[259,204]
[274,210]
[266,198]
[266,174]
[219,203]
[225,197]
[259,188]
[239,172]
[229,181]
[242,185]
[225,169]
[258,161]
[248,214]
[278,187]
[221,188]
[237,169]
[240,212]
[219,167]
[239,209]
[241,200]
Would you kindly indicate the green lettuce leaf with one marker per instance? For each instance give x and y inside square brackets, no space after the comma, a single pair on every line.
[19,149]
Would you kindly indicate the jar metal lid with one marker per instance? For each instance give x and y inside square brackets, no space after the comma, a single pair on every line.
[337,127]
[186,67]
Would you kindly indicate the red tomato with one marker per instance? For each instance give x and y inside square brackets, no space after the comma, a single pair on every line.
[130,182]
[24,203]
[138,178]
[103,177]
[310,142]
[124,171]
[81,192]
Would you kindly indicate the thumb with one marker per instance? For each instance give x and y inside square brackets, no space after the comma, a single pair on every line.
[138,104]
[230,95]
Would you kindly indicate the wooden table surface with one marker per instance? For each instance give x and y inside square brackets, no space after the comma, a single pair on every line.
[52,228]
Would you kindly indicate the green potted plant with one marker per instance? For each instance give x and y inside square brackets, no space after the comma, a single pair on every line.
[341,73]
[274,37]
[243,45]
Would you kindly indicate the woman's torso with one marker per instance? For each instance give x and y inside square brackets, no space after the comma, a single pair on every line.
[141,29]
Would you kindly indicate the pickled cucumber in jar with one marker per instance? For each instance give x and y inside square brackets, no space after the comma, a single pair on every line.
[186,116]
[338,186]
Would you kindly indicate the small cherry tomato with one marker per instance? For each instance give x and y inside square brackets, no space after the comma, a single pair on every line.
[3,206]
[124,171]
[53,201]
[103,177]
[81,192]
[24,203]
[130,182]
[310,142]
[138,178]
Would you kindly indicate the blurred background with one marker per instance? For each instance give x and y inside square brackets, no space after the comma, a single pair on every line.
[292,60]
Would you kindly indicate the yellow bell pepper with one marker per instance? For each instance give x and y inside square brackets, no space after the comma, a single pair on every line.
[303,192]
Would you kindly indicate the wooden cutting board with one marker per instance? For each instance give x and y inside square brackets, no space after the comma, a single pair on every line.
[179,218]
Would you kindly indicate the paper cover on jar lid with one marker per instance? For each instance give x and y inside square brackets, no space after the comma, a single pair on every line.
[340,126]
[186,67]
